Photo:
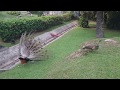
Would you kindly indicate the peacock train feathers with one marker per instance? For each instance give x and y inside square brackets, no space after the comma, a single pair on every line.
[30,48]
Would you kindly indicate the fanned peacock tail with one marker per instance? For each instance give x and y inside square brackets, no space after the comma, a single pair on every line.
[31,48]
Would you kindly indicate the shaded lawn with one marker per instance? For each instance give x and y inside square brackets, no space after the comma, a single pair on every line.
[103,63]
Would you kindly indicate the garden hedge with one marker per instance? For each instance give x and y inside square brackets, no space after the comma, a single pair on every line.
[12,29]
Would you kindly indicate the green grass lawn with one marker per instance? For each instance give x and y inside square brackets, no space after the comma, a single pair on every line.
[5,16]
[103,63]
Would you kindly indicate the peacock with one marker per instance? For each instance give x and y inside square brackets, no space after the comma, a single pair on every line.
[92,46]
[30,49]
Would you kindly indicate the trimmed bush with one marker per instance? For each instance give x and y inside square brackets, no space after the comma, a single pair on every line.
[12,29]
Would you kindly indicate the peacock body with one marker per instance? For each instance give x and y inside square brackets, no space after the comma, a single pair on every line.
[30,48]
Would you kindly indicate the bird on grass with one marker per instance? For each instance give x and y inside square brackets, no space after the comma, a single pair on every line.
[92,46]
[30,49]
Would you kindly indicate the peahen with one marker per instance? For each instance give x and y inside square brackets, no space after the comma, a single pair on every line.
[30,49]
[92,46]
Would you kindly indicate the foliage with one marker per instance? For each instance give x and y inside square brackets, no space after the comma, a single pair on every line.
[67,16]
[92,15]
[83,20]
[15,27]
[113,20]
[9,44]
[12,29]
[74,16]
[16,13]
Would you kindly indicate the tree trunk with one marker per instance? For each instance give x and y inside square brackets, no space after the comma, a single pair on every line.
[99,30]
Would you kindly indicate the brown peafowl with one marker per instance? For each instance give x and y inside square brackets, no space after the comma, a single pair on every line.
[92,46]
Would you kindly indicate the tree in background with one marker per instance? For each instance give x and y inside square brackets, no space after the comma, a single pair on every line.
[85,16]
[92,15]
[99,21]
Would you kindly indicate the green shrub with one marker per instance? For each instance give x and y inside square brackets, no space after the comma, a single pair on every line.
[12,29]
[92,15]
[16,13]
[83,22]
